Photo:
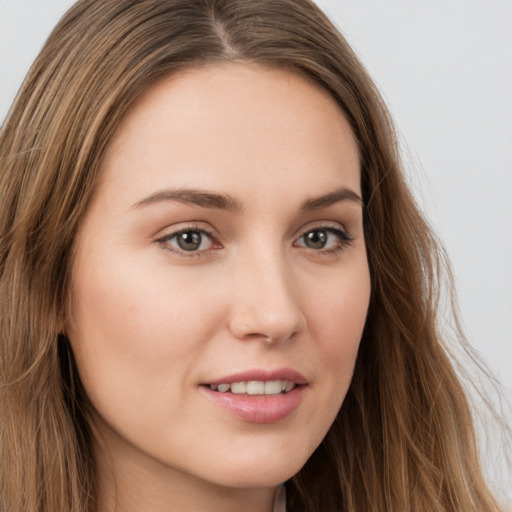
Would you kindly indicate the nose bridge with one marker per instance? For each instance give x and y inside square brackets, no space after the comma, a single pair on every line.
[267,304]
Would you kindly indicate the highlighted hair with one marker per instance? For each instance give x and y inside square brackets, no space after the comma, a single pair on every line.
[403,439]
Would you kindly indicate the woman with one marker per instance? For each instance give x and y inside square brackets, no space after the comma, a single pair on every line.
[214,279]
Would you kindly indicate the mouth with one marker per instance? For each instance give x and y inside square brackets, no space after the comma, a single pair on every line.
[255,387]
[259,396]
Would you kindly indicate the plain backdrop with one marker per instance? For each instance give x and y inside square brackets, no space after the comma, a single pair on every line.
[445,69]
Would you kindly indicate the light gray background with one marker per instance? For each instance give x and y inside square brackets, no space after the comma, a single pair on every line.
[445,70]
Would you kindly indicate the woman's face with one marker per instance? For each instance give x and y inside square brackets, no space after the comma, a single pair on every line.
[224,245]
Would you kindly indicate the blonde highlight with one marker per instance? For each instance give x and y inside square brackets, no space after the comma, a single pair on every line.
[403,439]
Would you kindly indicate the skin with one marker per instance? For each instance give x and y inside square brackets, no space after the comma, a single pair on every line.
[151,322]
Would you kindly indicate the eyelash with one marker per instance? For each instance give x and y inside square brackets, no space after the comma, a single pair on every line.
[345,240]
[164,241]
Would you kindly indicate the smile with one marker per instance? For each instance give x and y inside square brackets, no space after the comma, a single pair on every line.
[255,387]
[258,396]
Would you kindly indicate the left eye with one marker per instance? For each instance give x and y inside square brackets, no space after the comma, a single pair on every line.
[323,238]
[191,240]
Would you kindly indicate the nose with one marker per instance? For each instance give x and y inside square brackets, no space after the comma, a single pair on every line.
[265,304]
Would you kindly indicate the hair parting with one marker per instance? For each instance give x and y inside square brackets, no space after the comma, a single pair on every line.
[403,439]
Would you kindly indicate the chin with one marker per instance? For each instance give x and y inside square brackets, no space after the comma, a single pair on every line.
[270,473]
[248,481]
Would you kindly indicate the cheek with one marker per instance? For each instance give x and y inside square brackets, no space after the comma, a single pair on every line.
[337,317]
[135,328]
[135,304]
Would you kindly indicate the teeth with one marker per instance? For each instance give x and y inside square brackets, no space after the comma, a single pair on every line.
[273,387]
[255,387]
[289,387]
[239,388]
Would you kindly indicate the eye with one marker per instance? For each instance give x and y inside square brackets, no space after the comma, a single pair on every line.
[188,241]
[324,239]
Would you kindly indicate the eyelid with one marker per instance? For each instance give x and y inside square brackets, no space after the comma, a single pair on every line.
[181,227]
[327,225]
[175,231]
[335,228]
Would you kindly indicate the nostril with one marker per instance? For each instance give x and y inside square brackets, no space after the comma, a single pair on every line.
[267,307]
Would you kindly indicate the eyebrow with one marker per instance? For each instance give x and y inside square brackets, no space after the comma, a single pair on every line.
[325,200]
[194,197]
[211,200]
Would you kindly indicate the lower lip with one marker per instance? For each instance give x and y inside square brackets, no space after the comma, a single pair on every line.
[259,408]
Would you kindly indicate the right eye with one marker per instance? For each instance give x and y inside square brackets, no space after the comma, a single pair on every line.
[188,241]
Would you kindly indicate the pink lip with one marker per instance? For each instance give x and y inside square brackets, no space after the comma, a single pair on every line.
[260,374]
[259,408]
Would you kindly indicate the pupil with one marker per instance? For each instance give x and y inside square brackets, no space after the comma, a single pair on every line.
[189,241]
[316,239]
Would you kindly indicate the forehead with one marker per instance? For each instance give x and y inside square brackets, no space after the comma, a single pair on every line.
[232,124]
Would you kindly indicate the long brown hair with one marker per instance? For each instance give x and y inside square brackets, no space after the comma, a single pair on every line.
[403,439]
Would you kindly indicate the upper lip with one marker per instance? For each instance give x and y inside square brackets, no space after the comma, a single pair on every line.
[258,374]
